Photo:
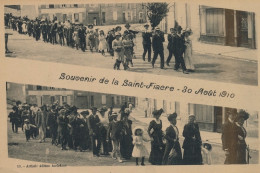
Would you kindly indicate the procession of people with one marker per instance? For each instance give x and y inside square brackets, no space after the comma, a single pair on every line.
[117,43]
[105,132]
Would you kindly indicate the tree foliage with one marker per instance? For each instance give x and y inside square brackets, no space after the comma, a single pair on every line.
[156,12]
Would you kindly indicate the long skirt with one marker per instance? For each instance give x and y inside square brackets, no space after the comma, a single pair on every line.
[126,146]
[156,154]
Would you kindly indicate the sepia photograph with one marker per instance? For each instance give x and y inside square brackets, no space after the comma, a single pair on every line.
[174,39]
[67,127]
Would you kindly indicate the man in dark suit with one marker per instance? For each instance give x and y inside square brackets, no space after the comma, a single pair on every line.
[82,37]
[229,139]
[178,50]
[52,124]
[170,44]
[147,42]
[93,124]
[157,43]
[172,142]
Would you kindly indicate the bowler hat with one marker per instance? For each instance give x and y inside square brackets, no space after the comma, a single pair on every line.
[114,114]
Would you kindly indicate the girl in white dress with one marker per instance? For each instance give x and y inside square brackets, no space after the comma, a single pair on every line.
[102,42]
[188,59]
[139,150]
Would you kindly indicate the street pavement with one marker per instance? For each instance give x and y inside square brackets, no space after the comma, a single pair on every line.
[46,153]
[230,67]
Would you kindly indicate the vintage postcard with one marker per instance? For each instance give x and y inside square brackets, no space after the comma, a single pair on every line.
[129,86]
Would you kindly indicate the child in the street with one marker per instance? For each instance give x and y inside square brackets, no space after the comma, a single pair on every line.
[206,153]
[27,129]
[139,150]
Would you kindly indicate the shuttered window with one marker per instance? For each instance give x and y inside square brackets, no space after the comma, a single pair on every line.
[215,21]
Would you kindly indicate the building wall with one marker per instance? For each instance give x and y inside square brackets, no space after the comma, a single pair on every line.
[16,92]
[15,12]
[104,14]
[31,11]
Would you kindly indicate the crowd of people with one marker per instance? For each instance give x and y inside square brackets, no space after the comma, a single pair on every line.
[109,133]
[117,43]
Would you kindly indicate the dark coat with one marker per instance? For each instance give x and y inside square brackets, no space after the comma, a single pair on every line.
[178,45]
[62,125]
[115,130]
[241,145]
[170,41]
[93,124]
[52,119]
[192,146]
[147,38]
[157,42]
[228,137]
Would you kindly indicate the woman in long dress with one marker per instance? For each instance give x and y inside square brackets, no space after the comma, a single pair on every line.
[192,143]
[188,58]
[241,136]
[126,142]
[156,135]
[172,154]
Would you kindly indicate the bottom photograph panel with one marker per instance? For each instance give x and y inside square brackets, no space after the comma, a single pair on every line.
[65,127]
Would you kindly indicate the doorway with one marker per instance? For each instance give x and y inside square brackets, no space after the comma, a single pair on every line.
[242,29]
[229,18]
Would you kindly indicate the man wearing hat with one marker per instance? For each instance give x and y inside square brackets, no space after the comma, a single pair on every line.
[130,32]
[157,43]
[85,141]
[63,121]
[170,44]
[94,131]
[178,50]
[82,37]
[52,124]
[172,142]
[147,42]
[229,138]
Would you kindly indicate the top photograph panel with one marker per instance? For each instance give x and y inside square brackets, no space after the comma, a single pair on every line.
[171,39]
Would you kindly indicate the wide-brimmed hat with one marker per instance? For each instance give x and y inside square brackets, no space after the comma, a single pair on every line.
[172,116]
[242,114]
[127,25]
[90,25]
[188,30]
[138,128]
[26,120]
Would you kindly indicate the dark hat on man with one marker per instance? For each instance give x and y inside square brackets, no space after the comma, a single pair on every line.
[73,108]
[172,116]
[118,27]
[242,114]
[127,25]
[179,28]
